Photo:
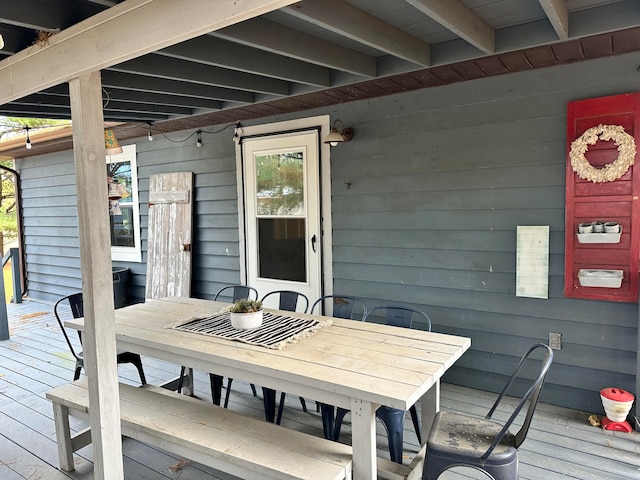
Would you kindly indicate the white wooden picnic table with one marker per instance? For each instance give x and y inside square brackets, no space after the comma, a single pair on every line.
[350,364]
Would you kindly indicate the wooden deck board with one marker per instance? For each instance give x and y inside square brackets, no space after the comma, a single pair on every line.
[561,443]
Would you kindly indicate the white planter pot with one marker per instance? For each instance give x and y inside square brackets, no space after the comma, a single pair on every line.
[245,321]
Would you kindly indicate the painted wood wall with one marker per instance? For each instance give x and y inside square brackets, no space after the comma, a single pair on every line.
[439,181]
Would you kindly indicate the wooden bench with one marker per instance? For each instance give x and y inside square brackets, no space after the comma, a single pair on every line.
[205,433]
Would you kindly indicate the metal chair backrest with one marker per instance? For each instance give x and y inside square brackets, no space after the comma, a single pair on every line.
[238,292]
[343,306]
[399,315]
[77,310]
[531,397]
[288,300]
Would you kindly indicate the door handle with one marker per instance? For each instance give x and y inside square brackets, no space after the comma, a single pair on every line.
[313,243]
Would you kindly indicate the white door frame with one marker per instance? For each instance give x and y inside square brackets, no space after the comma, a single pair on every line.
[322,121]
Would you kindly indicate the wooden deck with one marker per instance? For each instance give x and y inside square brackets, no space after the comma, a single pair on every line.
[560,445]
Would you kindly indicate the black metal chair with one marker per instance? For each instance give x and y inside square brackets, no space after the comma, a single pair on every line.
[481,443]
[235,293]
[287,300]
[77,310]
[342,306]
[392,418]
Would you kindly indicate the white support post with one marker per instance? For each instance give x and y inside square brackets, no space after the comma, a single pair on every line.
[99,344]
[430,405]
[363,427]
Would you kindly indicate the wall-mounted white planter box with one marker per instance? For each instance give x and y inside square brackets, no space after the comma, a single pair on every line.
[600,278]
[599,237]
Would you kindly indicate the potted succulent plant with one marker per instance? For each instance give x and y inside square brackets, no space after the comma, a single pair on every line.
[246,313]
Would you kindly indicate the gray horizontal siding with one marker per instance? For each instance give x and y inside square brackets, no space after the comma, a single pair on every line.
[439,180]
[426,200]
[51,227]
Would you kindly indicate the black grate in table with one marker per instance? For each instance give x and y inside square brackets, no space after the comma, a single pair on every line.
[275,332]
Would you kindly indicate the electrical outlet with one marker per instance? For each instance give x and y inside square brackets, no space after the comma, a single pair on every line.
[555,341]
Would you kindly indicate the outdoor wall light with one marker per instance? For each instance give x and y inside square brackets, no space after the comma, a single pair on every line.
[28,142]
[337,136]
[111,144]
[199,139]
[150,135]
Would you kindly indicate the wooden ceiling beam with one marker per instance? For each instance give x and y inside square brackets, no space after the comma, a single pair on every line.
[141,83]
[461,20]
[215,51]
[343,18]
[275,38]
[126,95]
[123,32]
[558,15]
[174,68]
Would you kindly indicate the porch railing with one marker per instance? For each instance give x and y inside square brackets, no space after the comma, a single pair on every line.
[12,255]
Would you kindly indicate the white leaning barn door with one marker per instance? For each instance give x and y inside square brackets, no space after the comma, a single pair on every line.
[282,213]
[169,239]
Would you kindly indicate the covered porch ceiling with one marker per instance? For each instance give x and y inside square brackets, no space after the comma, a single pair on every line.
[313,53]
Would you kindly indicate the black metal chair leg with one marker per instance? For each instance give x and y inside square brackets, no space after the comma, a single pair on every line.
[269,399]
[181,380]
[226,396]
[138,363]
[228,393]
[216,388]
[328,414]
[337,422]
[280,408]
[416,423]
[393,420]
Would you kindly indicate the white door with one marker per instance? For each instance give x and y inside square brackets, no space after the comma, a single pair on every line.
[282,214]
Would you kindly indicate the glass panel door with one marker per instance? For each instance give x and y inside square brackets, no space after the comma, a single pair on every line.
[282,213]
[281,216]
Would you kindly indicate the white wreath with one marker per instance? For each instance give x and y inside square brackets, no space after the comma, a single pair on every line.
[626,153]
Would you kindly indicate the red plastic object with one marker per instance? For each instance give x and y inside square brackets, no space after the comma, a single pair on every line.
[617,394]
[616,426]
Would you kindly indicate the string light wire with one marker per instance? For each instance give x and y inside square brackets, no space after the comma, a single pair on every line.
[12,128]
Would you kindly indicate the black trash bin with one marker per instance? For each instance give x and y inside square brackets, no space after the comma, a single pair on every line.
[120,277]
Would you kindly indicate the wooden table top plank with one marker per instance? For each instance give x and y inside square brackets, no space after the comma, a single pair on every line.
[374,345]
[405,333]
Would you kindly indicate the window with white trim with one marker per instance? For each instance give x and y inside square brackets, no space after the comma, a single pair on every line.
[124,211]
